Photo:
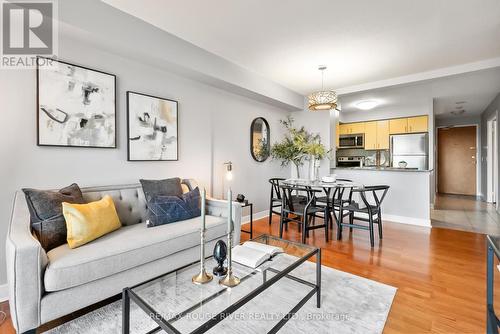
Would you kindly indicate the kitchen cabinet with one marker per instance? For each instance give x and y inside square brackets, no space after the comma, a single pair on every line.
[408,125]
[377,135]
[370,135]
[398,125]
[344,129]
[418,124]
[383,135]
[357,128]
[352,128]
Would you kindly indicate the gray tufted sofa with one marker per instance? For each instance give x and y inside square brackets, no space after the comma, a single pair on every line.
[46,286]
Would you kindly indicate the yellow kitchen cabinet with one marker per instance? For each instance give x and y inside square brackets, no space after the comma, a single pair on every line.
[382,135]
[344,129]
[398,125]
[377,135]
[370,135]
[352,128]
[418,124]
[357,128]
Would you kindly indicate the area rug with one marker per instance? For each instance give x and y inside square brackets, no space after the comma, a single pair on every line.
[350,304]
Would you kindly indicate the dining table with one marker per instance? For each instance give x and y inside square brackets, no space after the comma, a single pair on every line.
[326,186]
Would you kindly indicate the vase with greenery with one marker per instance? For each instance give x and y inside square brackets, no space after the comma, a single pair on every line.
[297,146]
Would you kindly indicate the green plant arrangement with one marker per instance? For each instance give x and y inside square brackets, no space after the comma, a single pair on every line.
[297,146]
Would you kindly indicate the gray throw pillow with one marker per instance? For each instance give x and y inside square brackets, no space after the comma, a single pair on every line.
[47,220]
[166,187]
[169,209]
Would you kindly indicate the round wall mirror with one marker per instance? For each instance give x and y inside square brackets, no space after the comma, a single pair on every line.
[260,139]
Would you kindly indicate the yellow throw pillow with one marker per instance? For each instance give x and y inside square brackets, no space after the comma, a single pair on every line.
[185,188]
[87,222]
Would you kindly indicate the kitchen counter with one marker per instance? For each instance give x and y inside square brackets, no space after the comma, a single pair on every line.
[385,169]
[408,200]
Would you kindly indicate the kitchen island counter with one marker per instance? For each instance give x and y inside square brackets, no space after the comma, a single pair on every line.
[384,169]
[408,200]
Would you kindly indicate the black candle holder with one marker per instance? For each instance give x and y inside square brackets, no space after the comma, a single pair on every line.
[220,254]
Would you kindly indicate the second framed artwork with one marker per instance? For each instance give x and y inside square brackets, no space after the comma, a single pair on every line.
[152,128]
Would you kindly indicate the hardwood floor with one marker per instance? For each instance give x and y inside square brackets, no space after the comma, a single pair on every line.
[439,273]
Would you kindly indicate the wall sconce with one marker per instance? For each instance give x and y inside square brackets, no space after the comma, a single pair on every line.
[229,170]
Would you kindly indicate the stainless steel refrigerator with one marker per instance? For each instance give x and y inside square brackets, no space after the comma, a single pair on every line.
[412,148]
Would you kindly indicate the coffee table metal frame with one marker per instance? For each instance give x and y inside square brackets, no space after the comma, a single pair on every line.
[129,295]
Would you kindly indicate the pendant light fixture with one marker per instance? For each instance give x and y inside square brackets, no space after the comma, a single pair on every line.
[323,99]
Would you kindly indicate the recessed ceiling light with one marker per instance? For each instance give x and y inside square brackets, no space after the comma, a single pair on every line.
[457,112]
[366,105]
[460,102]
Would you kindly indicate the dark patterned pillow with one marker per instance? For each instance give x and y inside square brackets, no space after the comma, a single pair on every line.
[168,209]
[47,220]
[166,187]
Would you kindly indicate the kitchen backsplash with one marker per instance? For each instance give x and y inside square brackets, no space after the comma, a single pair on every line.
[369,155]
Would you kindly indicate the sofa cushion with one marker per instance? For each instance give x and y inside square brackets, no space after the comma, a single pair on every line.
[87,222]
[123,249]
[170,209]
[46,215]
[166,187]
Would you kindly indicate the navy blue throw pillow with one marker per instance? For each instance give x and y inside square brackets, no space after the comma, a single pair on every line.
[168,209]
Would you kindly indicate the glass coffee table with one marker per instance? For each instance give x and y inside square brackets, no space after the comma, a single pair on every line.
[263,302]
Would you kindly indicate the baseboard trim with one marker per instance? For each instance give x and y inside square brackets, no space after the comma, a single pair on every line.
[407,220]
[256,215]
[385,217]
[401,219]
[4,293]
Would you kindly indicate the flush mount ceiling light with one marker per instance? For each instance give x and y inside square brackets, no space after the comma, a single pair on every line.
[366,105]
[323,99]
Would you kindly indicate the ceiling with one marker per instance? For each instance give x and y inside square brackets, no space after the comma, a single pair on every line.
[474,92]
[360,41]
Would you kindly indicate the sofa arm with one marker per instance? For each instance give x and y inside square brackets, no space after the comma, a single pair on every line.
[26,261]
[217,207]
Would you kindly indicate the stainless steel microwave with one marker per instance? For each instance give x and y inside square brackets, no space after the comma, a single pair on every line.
[352,141]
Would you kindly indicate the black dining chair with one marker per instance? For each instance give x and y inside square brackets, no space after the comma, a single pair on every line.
[336,197]
[275,198]
[301,212]
[373,209]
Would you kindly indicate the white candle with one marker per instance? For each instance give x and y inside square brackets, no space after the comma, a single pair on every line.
[203,195]
[229,211]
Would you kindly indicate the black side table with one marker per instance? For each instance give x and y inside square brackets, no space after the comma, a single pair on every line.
[244,204]
[493,251]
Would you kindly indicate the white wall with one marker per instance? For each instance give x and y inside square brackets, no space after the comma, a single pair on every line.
[214,126]
[317,122]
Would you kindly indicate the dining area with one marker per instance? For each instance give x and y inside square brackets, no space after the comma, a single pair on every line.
[329,204]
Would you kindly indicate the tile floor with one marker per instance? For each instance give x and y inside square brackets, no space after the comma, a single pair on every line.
[465,213]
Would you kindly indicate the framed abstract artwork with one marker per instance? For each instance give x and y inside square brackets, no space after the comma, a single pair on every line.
[152,128]
[76,106]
